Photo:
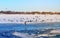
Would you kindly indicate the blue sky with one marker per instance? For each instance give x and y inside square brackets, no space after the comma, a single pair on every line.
[30,5]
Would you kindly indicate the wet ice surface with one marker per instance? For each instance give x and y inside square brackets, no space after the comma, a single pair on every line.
[25,31]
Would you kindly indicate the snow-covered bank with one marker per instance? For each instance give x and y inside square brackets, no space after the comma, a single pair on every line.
[21,18]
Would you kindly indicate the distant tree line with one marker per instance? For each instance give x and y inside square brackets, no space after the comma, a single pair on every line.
[36,12]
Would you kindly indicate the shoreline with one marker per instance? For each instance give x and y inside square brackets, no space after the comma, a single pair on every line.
[32,23]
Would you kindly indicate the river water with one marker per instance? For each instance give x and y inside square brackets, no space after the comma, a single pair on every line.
[7,28]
